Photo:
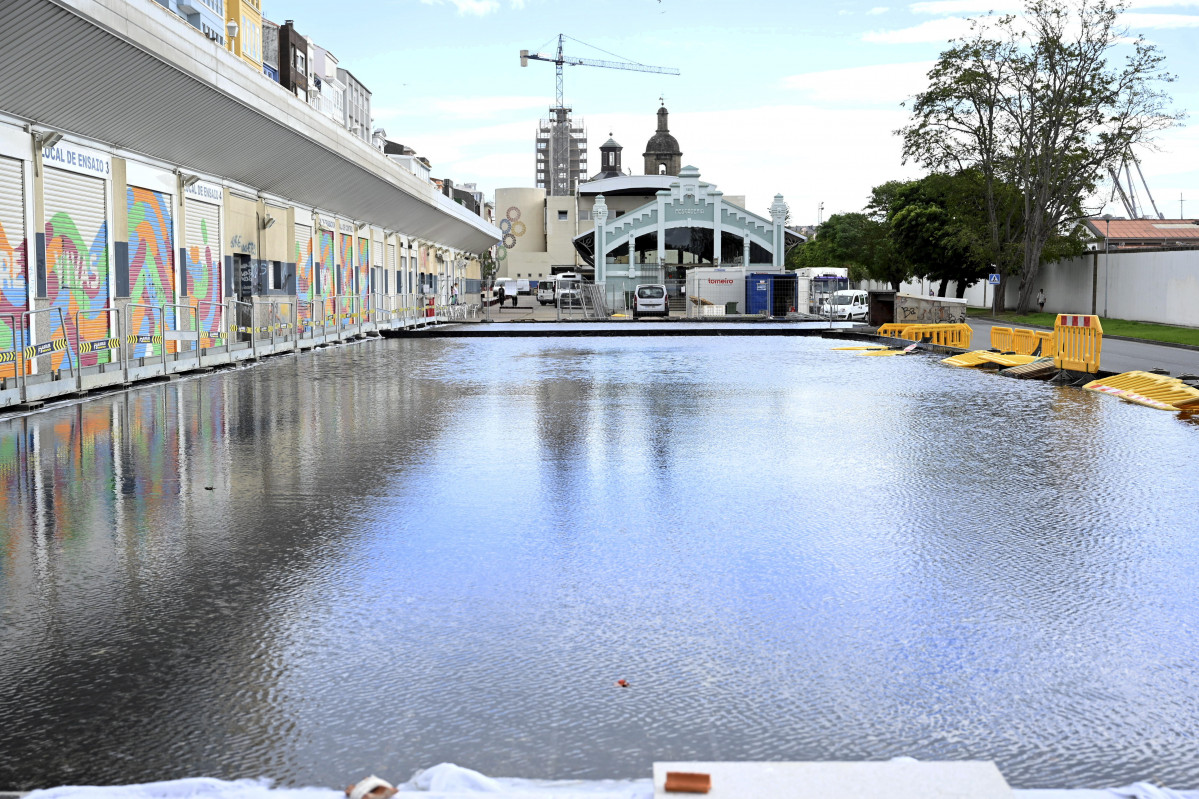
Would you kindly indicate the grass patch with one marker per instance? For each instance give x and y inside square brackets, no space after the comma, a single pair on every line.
[1114,327]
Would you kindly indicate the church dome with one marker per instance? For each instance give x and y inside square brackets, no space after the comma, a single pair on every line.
[662,153]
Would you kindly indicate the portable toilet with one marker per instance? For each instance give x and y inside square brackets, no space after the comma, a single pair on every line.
[771,293]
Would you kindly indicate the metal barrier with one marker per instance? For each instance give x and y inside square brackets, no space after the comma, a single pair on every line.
[32,352]
[114,345]
[10,350]
[214,333]
[137,339]
[190,332]
[1001,339]
[1079,340]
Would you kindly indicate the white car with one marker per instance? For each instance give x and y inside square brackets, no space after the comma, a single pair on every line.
[848,304]
[651,300]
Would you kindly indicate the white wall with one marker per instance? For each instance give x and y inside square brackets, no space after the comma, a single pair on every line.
[1161,286]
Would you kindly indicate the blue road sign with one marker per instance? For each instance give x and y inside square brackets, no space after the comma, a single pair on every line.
[993,279]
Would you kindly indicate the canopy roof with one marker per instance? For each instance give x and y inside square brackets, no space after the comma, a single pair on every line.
[140,79]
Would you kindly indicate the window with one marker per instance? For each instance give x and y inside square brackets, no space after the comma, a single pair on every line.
[611,159]
[661,169]
[563,216]
[620,213]
[540,145]
[584,216]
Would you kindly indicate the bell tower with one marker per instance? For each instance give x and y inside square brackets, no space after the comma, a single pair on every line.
[662,153]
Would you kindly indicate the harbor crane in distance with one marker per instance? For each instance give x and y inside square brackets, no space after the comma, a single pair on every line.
[1127,189]
[559,183]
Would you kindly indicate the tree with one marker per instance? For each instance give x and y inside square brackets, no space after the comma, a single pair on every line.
[1033,101]
[856,241]
[487,266]
[939,225]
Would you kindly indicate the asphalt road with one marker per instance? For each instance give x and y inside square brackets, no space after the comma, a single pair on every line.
[1117,355]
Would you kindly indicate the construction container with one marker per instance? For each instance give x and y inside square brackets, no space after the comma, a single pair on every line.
[722,286]
[771,293]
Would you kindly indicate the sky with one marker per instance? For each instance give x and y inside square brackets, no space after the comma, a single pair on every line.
[774,97]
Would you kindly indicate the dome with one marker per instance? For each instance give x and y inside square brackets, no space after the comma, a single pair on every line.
[662,143]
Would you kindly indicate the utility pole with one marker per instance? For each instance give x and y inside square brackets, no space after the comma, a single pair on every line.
[820,214]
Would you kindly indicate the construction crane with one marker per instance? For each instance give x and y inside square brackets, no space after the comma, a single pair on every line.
[1127,189]
[559,184]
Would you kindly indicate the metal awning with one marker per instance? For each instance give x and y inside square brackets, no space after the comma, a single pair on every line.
[134,76]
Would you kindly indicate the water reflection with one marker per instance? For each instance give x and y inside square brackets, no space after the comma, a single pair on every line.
[379,557]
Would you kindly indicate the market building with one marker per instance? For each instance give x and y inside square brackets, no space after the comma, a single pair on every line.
[622,228]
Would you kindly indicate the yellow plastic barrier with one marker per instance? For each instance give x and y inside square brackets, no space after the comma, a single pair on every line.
[1001,339]
[893,330]
[1046,339]
[1079,340]
[1145,388]
[1024,342]
[967,359]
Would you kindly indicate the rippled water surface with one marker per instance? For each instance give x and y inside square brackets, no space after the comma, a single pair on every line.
[381,557]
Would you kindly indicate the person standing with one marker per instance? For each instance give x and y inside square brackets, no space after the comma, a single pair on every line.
[1041,300]
[501,296]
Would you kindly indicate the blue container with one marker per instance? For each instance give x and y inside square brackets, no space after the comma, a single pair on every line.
[771,293]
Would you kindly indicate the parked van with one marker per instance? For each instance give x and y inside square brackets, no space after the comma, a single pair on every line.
[568,289]
[848,304]
[545,291]
[522,286]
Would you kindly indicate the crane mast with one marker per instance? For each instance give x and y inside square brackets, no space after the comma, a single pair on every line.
[560,133]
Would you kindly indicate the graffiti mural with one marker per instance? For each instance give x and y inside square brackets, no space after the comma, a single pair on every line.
[14,291]
[203,283]
[326,268]
[305,285]
[151,265]
[77,282]
[364,266]
[345,275]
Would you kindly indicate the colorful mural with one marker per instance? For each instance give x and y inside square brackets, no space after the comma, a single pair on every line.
[14,293]
[346,283]
[203,283]
[305,285]
[364,268]
[77,282]
[151,266]
[326,268]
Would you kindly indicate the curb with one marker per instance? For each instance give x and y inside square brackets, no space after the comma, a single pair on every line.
[1106,335]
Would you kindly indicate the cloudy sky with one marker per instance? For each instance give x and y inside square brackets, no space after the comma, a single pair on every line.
[774,97]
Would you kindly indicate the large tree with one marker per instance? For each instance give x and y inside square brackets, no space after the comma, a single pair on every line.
[1035,101]
[857,241]
[939,225]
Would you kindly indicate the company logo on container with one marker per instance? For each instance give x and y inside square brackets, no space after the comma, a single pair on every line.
[720,281]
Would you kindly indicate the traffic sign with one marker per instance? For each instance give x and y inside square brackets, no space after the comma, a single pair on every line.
[993,279]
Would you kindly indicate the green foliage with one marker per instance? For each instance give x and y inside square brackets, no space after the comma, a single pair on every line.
[1036,102]
[855,241]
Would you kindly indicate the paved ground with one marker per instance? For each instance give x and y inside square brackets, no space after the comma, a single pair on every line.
[1117,355]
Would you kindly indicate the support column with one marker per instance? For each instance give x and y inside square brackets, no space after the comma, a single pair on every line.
[662,196]
[716,198]
[778,214]
[599,213]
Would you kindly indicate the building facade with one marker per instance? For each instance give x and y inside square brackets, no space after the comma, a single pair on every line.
[247,44]
[206,16]
[357,105]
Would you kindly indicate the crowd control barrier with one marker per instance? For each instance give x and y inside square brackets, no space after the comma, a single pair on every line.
[1079,340]
[122,344]
[1145,388]
[946,335]
[1001,339]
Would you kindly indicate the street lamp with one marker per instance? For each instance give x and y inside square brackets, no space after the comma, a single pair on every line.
[1107,266]
[231,30]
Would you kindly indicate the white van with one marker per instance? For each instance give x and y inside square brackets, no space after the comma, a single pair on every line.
[509,284]
[849,304]
[522,286]
[545,291]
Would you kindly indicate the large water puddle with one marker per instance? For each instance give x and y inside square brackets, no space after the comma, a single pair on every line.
[378,558]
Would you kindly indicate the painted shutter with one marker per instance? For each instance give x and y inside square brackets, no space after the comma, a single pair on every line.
[76,214]
[14,286]
[152,276]
[305,283]
[204,265]
[390,279]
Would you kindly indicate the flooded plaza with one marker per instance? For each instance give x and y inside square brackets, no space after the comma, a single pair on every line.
[380,557]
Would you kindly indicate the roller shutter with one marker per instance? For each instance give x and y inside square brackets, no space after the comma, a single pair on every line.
[389,278]
[76,214]
[14,281]
[203,281]
[305,281]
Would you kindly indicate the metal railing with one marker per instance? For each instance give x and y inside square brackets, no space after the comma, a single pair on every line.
[53,345]
[114,344]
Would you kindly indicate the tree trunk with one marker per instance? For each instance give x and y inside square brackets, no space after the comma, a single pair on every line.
[961,290]
[1029,271]
[943,288]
